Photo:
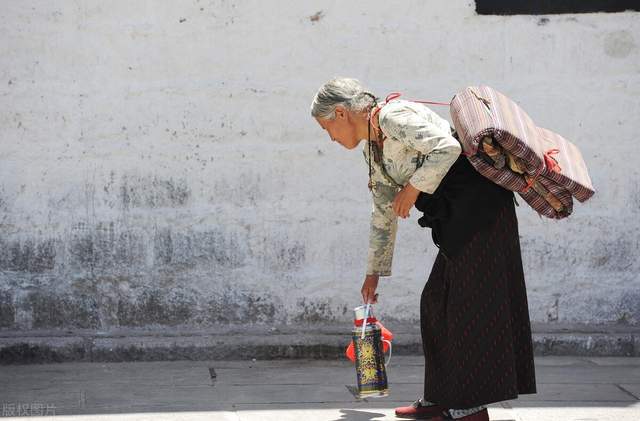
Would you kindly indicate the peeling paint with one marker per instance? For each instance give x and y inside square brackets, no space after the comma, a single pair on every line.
[614,253]
[290,257]
[7,310]
[106,247]
[34,256]
[52,310]
[241,307]
[223,249]
[553,313]
[163,247]
[156,307]
[153,192]
[629,307]
[316,311]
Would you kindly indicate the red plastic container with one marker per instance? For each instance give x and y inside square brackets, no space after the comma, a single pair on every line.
[386,334]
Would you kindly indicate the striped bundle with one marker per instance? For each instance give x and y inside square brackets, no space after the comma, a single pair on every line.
[503,144]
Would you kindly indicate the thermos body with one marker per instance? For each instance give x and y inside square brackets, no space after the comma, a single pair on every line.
[370,365]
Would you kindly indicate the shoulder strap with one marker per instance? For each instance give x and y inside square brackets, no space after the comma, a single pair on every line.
[396,95]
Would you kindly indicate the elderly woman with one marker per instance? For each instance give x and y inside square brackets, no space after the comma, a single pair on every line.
[474,316]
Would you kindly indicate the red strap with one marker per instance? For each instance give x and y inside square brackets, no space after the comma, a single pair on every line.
[531,182]
[549,162]
[370,320]
[395,95]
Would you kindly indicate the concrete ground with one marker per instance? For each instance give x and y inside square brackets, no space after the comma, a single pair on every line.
[569,388]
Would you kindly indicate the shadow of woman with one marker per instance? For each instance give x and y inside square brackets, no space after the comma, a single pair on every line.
[356,415]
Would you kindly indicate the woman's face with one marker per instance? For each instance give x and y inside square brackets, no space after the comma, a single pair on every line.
[343,128]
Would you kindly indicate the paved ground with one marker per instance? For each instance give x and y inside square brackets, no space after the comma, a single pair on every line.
[570,389]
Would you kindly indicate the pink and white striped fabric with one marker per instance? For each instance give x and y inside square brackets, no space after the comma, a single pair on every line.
[479,112]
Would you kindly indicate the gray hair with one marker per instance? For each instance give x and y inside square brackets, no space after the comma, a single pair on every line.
[343,91]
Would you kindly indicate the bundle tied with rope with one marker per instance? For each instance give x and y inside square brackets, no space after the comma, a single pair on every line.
[503,144]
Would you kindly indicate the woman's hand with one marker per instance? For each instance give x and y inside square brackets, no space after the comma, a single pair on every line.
[404,200]
[369,289]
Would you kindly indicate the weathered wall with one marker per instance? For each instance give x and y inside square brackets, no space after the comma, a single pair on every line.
[159,166]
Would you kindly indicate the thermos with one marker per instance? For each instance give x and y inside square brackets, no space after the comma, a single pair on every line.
[369,354]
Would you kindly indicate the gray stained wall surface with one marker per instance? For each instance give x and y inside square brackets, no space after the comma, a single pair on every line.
[159,167]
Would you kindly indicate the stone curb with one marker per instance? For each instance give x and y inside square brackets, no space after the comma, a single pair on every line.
[47,349]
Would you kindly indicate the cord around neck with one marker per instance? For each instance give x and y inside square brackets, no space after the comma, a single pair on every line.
[374,149]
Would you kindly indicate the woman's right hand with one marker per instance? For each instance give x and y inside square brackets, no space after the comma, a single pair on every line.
[369,289]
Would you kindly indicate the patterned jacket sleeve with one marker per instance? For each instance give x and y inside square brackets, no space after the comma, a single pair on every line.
[427,133]
[383,225]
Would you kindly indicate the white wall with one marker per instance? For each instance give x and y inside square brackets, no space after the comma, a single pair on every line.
[158,164]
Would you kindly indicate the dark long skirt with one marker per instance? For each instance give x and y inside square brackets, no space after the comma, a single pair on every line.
[474,315]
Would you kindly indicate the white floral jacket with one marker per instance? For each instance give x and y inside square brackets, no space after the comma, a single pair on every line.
[418,149]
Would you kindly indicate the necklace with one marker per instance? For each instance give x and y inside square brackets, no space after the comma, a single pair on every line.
[376,151]
[376,155]
[374,148]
